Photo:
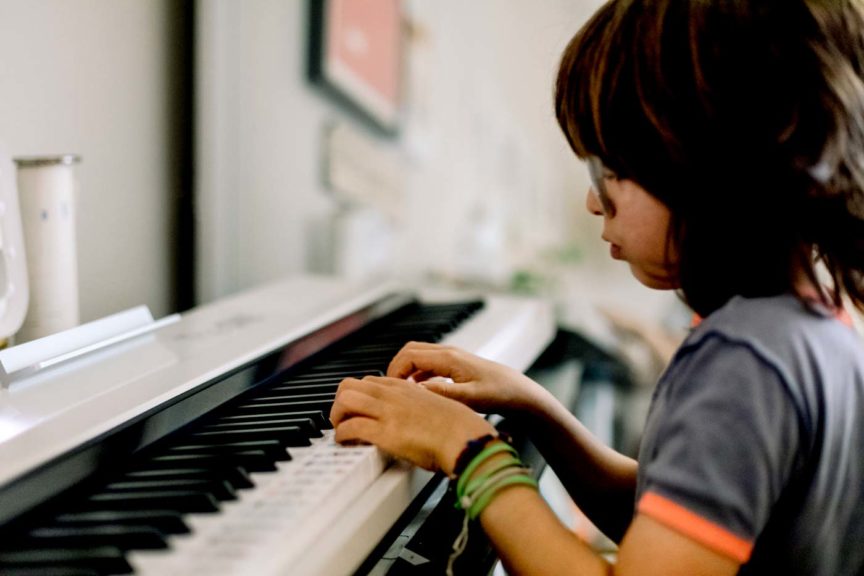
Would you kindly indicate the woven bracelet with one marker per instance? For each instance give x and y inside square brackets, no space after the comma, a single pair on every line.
[475,463]
[474,494]
[474,483]
[520,478]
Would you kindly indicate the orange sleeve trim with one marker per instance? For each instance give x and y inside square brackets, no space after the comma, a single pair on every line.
[844,317]
[695,527]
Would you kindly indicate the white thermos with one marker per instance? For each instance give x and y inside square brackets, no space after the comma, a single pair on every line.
[47,190]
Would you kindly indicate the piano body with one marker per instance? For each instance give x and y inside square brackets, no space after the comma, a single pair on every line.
[203,447]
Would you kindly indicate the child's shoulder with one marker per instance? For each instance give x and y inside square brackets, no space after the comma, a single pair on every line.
[782,330]
[752,341]
[774,318]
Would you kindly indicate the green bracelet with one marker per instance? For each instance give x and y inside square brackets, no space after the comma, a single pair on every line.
[486,497]
[488,482]
[470,498]
[475,483]
[490,450]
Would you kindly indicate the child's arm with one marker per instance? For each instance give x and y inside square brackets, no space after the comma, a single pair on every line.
[601,481]
[530,540]
[409,421]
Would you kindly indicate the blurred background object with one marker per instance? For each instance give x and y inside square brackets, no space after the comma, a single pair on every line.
[47,191]
[14,290]
[112,82]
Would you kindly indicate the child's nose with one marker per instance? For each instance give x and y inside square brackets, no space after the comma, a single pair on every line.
[592,203]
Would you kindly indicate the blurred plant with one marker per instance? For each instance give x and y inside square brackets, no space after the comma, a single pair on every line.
[540,277]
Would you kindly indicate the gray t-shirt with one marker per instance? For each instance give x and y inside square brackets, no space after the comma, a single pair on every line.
[754,444]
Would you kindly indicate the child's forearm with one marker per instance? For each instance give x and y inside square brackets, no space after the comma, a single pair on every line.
[600,480]
[530,539]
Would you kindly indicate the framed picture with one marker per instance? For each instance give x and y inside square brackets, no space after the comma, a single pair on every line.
[355,52]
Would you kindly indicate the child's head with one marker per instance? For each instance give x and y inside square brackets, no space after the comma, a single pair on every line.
[745,118]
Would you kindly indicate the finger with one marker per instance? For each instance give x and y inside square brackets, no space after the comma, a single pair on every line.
[421,375]
[392,391]
[356,429]
[384,382]
[439,361]
[448,389]
[351,403]
[383,385]
[365,386]
[414,346]
[418,345]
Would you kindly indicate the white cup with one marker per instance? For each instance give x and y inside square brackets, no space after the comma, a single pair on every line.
[47,187]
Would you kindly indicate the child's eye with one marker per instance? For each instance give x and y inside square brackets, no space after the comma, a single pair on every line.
[608,206]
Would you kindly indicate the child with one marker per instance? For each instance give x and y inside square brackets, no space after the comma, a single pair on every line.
[725,140]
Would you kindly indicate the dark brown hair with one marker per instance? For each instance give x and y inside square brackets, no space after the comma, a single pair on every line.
[746,119]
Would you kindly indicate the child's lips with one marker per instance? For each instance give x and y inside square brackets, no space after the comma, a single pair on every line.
[615,251]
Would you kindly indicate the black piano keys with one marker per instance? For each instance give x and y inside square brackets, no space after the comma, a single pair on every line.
[141,504]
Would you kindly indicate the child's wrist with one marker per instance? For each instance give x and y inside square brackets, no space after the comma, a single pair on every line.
[495,467]
[536,407]
[474,447]
[486,466]
[466,445]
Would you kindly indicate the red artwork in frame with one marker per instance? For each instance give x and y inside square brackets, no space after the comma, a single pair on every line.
[356,53]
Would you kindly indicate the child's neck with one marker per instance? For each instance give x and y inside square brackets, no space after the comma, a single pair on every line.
[805,287]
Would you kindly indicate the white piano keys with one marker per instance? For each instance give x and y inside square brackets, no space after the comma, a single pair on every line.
[269,527]
[283,525]
[320,514]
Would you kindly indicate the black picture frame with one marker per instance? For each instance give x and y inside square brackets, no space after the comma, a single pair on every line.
[356,82]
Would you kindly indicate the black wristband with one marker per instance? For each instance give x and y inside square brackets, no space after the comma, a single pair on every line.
[474,447]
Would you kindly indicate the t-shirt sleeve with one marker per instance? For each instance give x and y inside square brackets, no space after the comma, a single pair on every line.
[723,448]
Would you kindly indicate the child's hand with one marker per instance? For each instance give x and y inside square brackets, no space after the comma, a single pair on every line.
[482,384]
[405,420]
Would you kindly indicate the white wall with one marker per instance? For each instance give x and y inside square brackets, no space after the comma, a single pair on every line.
[91,77]
[489,186]
[491,166]
[479,140]
[258,136]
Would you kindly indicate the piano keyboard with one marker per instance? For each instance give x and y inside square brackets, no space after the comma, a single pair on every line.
[250,483]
